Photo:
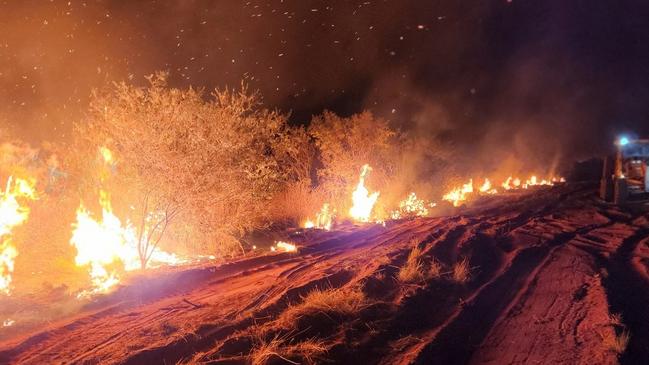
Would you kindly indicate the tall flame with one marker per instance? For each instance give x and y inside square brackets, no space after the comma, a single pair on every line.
[12,214]
[106,244]
[362,200]
[100,243]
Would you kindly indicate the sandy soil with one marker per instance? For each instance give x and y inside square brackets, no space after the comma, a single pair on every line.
[556,278]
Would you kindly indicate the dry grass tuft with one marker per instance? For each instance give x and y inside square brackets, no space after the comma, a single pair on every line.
[413,270]
[435,269]
[281,347]
[461,271]
[617,343]
[615,319]
[331,301]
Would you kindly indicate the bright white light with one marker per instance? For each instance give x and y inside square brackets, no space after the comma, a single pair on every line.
[624,141]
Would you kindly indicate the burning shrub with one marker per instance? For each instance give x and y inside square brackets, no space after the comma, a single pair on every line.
[219,161]
[345,144]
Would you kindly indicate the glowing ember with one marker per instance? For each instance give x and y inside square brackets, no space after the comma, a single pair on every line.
[283,246]
[12,214]
[459,195]
[8,322]
[411,207]
[362,200]
[309,224]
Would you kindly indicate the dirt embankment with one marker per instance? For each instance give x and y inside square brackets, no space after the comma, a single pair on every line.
[550,276]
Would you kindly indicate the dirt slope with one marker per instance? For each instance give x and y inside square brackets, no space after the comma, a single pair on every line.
[556,278]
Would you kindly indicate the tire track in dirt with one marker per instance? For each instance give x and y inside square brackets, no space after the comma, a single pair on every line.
[456,341]
[558,318]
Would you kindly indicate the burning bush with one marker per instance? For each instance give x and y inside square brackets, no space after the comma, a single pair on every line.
[217,162]
[345,145]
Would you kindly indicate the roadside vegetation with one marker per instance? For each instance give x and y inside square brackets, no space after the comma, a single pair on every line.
[196,171]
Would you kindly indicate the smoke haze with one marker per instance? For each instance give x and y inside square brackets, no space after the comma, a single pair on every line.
[545,80]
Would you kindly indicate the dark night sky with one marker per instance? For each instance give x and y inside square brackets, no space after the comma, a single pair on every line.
[526,76]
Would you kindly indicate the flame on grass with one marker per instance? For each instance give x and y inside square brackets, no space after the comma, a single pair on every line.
[12,214]
[107,246]
[412,207]
[459,195]
[324,218]
[487,188]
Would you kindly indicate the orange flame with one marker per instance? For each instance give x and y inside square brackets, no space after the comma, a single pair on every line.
[12,214]
[363,201]
[283,246]
[459,195]
[106,244]
[324,219]
[412,206]
[486,188]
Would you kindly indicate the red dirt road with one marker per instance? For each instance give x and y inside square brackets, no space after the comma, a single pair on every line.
[556,277]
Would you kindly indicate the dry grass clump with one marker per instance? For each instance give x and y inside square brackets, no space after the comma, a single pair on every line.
[435,269]
[615,319]
[330,301]
[413,270]
[281,347]
[617,342]
[461,271]
[297,202]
